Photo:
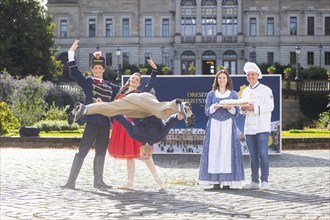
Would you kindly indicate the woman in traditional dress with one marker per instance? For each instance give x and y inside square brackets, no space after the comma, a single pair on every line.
[221,162]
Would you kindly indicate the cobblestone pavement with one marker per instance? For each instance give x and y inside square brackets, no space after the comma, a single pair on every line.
[30,180]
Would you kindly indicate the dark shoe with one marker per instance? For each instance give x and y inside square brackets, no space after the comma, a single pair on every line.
[98,173]
[226,187]
[76,113]
[189,116]
[75,169]
[216,186]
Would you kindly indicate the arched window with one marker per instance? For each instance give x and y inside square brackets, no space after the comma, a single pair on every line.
[229,2]
[188,2]
[209,64]
[230,61]
[188,63]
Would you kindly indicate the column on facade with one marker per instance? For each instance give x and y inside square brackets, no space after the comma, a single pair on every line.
[198,21]
[219,37]
[219,22]
[177,62]
[240,37]
[199,61]
[177,22]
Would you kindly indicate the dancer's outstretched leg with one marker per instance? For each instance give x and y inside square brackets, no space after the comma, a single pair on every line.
[151,166]
[136,105]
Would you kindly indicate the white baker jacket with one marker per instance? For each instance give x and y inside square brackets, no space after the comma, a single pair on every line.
[259,120]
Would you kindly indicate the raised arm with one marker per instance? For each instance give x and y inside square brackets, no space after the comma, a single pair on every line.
[153,75]
[75,73]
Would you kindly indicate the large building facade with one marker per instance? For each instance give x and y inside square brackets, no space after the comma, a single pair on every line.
[203,34]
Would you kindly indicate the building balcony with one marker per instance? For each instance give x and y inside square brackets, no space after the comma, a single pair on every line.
[188,39]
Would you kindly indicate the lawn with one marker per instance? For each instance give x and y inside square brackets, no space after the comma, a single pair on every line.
[306,133]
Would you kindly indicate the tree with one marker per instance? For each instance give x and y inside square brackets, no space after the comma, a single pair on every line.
[26,39]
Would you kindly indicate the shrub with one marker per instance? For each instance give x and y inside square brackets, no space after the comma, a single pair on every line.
[143,71]
[110,75]
[62,98]
[7,83]
[324,120]
[7,119]
[166,70]
[127,72]
[48,125]
[314,72]
[221,67]
[271,69]
[133,67]
[56,113]
[28,99]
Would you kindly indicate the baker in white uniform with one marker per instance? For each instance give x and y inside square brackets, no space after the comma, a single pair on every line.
[257,125]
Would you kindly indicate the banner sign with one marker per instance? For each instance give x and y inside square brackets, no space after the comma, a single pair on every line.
[194,89]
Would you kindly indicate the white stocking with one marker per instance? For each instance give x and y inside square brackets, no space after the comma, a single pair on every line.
[151,166]
[130,163]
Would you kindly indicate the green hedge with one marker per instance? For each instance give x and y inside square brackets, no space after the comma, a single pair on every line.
[48,125]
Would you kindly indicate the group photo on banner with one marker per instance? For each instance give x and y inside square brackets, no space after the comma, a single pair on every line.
[194,89]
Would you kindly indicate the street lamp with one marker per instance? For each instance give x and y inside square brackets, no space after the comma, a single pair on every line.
[297,62]
[118,52]
[163,48]
[320,47]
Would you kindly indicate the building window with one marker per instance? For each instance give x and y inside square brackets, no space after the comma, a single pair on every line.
[63,28]
[147,27]
[209,20]
[229,22]
[310,25]
[108,59]
[253,57]
[310,58]
[108,27]
[293,25]
[91,28]
[166,59]
[253,27]
[125,59]
[229,25]
[209,25]
[188,26]
[166,27]
[270,58]
[187,62]
[293,58]
[327,58]
[270,26]
[125,27]
[327,26]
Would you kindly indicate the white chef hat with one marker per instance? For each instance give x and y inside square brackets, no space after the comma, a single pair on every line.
[252,67]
